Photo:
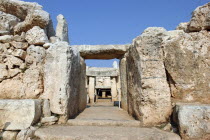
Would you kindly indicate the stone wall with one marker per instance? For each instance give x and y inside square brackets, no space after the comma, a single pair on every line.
[165,68]
[40,75]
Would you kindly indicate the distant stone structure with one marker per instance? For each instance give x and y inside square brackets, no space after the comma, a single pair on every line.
[163,78]
[103,83]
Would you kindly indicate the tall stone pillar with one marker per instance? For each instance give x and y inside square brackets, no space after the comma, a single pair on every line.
[91,89]
[114,89]
[123,81]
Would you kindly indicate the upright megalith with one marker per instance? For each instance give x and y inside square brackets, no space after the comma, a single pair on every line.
[62,69]
[62,28]
[149,98]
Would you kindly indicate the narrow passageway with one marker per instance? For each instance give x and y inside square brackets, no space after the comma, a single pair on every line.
[104,113]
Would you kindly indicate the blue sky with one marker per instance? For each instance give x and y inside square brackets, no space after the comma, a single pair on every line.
[117,21]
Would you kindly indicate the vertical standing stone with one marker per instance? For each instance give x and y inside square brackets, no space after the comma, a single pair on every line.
[103,94]
[123,80]
[148,91]
[91,89]
[62,28]
[114,89]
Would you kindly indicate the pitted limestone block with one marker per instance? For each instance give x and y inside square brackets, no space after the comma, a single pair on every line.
[30,13]
[36,36]
[62,28]
[19,114]
[193,120]
[102,51]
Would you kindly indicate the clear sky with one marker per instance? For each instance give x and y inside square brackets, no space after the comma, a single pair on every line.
[117,21]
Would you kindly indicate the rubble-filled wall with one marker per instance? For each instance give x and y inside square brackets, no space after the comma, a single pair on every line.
[40,74]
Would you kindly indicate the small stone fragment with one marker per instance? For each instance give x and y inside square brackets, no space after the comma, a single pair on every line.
[19,53]
[6,38]
[20,45]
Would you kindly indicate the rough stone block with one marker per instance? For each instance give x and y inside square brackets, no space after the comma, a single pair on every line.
[19,114]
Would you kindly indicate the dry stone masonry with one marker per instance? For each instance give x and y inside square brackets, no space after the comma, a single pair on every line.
[163,78]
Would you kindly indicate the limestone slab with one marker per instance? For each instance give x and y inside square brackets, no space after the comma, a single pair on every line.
[19,114]
[193,120]
[102,51]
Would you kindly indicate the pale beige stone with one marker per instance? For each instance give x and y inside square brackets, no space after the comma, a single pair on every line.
[19,45]
[123,78]
[62,28]
[200,18]
[6,38]
[187,64]
[46,108]
[26,134]
[12,61]
[9,135]
[61,82]
[149,98]
[19,53]
[8,22]
[114,89]
[35,54]
[36,36]
[33,83]
[91,89]
[13,114]
[102,51]
[49,119]
[193,120]
[31,14]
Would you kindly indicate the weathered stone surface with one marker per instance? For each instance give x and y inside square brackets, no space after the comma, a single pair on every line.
[12,61]
[62,28]
[54,39]
[36,36]
[8,22]
[20,38]
[123,78]
[9,135]
[19,45]
[16,92]
[46,108]
[101,72]
[183,26]
[61,82]
[187,64]
[193,120]
[114,89]
[103,133]
[82,91]
[91,89]
[35,54]
[102,82]
[19,53]
[31,14]
[102,51]
[148,91]
[200,18]
[13,114]
[49,120]
[6,38]
[33,84]
[26,134]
